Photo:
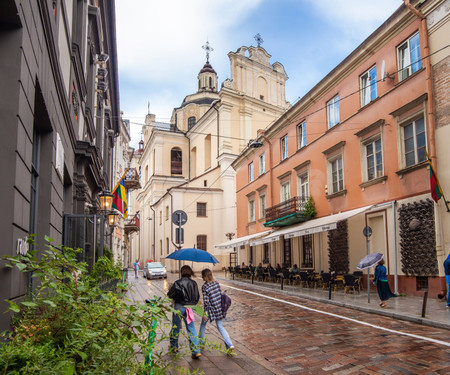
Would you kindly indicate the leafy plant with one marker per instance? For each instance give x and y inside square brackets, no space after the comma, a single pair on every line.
[310,208]
[71,326]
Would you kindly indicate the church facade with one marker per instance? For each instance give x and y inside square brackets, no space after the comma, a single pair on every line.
[186,164]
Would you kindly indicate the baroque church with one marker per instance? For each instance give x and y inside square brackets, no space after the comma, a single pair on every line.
[186,164]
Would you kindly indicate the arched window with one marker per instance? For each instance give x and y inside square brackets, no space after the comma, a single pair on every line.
[210,83]
[208,152]
[191,122]
[194,162]
[176,161]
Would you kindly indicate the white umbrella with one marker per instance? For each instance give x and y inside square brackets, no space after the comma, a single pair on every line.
[369,261]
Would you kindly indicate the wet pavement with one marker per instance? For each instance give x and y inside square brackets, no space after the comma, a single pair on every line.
[299,331]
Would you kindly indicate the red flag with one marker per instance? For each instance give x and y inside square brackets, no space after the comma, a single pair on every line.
[435,188]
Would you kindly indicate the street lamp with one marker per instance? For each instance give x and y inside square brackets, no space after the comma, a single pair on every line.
[106,200]
[229,235]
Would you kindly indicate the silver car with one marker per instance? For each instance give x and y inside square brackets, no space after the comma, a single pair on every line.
[154,270]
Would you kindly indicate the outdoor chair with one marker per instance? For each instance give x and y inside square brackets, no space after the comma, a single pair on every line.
[326,279]
[304,279]
[259,275]
[286,276]
[359,277]
[350,282]
[273,276]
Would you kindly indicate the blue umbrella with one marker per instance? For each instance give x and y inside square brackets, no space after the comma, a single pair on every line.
[193,255]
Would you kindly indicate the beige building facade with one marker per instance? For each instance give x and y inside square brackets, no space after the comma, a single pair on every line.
[186,164]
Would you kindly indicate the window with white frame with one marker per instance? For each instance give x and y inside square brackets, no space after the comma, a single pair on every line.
[251,210]
[369,86]
[303,186]
[333,112]
[374,159]
[301,135]
[284,147]
[285,191]
[409,57]
[336,173]
[251,173]
[262,206]
[262,164]
[414,141]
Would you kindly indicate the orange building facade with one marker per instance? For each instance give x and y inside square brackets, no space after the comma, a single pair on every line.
[355,144]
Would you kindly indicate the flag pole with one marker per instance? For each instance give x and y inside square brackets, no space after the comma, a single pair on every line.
[120,179]
[437,180]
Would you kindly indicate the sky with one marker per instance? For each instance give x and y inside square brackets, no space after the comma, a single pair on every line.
[160,44]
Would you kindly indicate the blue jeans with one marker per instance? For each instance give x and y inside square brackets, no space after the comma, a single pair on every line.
[448,295]
[223,332]
[176,326]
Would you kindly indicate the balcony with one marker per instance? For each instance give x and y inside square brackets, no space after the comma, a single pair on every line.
[132,179]
[287,213]
[132,225]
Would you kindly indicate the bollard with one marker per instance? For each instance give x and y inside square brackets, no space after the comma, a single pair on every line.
[233,275]
[253,277]
[424,304]
[282,278]
[329,289]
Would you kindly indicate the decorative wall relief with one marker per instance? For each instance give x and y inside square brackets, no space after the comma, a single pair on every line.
[338,248]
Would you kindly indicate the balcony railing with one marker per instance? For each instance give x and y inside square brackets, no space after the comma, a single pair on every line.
[132,179]
[132,225]
[286,213]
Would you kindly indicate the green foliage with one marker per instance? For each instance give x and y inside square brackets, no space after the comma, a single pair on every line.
[70,326]
[310,208]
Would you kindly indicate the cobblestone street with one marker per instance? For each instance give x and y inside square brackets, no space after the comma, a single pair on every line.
[278,333]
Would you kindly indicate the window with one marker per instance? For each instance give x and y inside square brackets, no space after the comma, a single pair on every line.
[369,86]
[307,251]
[266,253]
[167,213]
[201,209]
[409,57]
[176,162]
[160,217]
[287,253]
[301,135]
[191,122]
[303,186]
[262,164]
[284,147]
[251,211]
[374,159]
[285,191]
[262,206]
[251,253]
[337,174]
[161,247]
[333,112]
[201,242]
[251,175]
[167,245]
[414,142]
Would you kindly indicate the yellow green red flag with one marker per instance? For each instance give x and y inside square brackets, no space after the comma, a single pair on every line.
[120,197]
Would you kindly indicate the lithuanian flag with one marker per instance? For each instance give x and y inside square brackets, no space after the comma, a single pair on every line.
[435,188]
[120,197]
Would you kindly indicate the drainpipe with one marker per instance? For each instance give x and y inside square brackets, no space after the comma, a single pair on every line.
[395,248]
[171,229]
[261,133]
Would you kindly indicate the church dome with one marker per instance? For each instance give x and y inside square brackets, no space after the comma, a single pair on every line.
[207,68]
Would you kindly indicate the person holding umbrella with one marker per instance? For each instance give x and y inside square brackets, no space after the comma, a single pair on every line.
[184,292]
[447,278]
[381,281]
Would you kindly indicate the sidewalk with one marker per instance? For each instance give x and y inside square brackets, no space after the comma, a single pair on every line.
[407,308]
[242,362]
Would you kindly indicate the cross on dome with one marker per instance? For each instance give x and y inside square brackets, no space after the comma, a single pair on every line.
[207,47]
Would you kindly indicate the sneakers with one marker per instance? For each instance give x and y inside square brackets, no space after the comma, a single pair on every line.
[230,350]
[196,355]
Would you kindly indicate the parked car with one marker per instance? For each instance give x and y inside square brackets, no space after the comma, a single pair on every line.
[154,270]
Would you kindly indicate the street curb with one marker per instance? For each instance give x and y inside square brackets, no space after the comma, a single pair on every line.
[386,313]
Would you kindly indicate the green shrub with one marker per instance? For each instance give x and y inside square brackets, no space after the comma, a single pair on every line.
[310,208]
[70,326]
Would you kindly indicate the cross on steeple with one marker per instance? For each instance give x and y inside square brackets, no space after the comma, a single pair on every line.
[259,39]
[208,49]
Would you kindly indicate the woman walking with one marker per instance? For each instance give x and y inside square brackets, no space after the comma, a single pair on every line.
[184,292]
[381,281]
[212,296]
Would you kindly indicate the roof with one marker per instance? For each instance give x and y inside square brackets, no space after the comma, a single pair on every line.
[207,68]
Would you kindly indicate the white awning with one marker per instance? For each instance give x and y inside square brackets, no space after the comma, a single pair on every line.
[321,224]
[241,240]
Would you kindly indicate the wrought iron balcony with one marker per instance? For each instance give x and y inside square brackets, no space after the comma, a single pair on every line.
[132,225]
[132,179]
[286,213]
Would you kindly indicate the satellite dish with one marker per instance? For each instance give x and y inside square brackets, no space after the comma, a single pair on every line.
[383,70]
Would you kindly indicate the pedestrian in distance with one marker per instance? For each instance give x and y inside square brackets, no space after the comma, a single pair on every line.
[184,292]
[212,296]
[381,281]
[447,278]
[136,267]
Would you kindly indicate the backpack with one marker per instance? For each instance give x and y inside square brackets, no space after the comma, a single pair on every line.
[177,292]
[225,302]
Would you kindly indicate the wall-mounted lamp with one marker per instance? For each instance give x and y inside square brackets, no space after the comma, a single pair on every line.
[102,58]
[229,235]
[112,218]
[102,73]
[254,143]
[106,200]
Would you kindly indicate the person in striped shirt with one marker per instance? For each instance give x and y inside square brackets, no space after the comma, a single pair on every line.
[213,307]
